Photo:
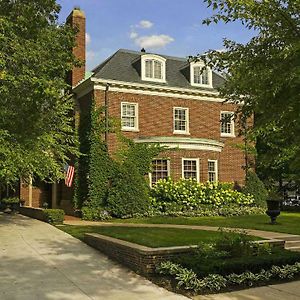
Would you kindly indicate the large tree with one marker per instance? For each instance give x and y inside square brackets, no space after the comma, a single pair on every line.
[36,132]
[264,74]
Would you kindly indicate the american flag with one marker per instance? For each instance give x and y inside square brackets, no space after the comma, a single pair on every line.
[69,175]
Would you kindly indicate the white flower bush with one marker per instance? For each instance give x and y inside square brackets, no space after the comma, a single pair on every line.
[188,194]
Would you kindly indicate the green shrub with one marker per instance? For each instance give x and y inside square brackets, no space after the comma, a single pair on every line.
[211,261]
[189,195]
[188,280]
[255,187]
[95,214]
[11,200]
[128,194]
[235,245]
[54,216]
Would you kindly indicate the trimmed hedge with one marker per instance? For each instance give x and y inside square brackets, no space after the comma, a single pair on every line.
[128,194]
[255,187]
[54,216]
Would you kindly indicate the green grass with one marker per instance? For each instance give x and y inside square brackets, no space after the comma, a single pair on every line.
[287,222]
[151,237]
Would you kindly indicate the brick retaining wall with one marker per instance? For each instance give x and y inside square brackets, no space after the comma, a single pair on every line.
[140,258]
[33,212]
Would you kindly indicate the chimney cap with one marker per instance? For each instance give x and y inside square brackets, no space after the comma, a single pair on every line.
[143,50]
[77,12]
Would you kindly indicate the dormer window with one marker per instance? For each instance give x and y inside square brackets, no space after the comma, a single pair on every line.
[153,68]
[201,75]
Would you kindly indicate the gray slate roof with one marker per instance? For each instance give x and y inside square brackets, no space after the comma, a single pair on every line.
[125,65]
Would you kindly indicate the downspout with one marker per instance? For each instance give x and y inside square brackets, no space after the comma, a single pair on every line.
[106,103]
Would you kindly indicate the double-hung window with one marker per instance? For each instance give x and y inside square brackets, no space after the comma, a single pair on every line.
[129,116]
[190,168]
[212,170]
[227,123]
[160,170]
[200,74]
[153,68]
[181,120]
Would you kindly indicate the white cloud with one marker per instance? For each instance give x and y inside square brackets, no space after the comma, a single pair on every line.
[133,35]
[145,24]
[87,38]
[153,41]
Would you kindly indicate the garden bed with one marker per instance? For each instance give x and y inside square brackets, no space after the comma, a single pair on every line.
[229,263]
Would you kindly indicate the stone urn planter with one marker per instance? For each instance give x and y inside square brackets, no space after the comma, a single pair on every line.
[273,210]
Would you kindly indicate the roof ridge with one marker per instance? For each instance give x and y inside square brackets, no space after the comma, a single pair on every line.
[163,55]
[96,69]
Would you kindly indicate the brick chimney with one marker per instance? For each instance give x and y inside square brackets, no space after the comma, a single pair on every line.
[76,19]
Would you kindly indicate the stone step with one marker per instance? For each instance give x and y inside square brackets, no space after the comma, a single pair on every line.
[292,244]
[288,237]
[296,249]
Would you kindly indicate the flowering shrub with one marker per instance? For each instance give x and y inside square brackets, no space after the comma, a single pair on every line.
[188,194]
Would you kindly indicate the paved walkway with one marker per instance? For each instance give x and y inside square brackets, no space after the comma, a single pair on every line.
[38,261]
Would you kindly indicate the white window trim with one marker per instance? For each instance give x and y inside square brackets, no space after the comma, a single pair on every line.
[216,169]
[136,123]
[187,130]
[168,169]
[197,166]
[200,64]
[223,134]
[143,67]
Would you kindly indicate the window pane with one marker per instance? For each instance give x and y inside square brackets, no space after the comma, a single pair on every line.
[159,170]
[180,119]
[128,115]
[205,79]
[197,75]
[212,171]
[190,169]
[149,68]
[226,123]
[157,69]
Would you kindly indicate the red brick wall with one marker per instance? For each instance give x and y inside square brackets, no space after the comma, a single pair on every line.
[39,195]
[156,119]
[77,20]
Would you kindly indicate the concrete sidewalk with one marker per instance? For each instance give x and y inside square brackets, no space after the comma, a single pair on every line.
[38,261]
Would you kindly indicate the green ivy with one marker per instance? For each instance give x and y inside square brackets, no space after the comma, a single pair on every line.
[94,165]
[117,182]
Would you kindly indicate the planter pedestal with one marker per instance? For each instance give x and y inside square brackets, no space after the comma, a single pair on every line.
[273,210]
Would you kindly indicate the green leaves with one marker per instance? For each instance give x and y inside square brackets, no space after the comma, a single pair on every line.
[35,117]
[264,74]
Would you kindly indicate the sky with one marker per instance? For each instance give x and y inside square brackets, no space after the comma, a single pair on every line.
[170,27]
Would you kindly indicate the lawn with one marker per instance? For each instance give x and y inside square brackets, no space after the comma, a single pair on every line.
[151,237]
[287,222]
